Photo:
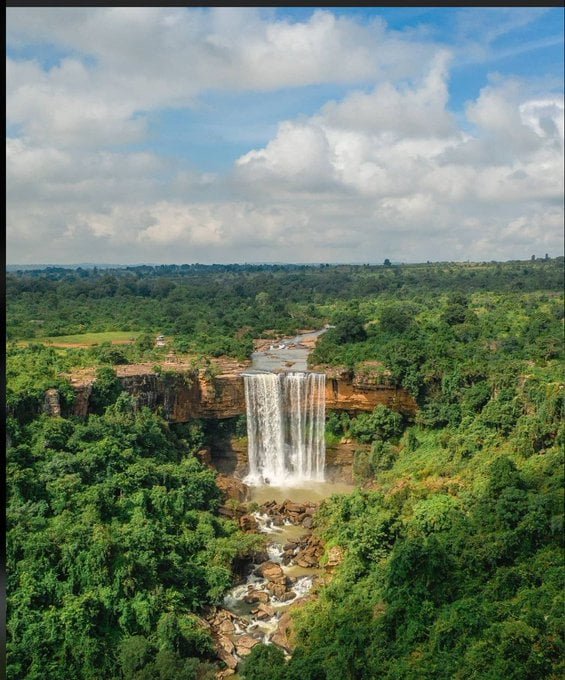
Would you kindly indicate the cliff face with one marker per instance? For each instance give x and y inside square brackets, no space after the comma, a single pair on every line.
[339,460]
[182,396]
[230,457]
[354,395]
[188,394]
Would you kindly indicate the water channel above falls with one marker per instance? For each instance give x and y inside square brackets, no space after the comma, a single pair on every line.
[286,354]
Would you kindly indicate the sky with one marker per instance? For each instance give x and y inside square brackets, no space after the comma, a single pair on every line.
[220,135]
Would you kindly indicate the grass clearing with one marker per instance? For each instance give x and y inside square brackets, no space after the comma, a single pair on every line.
[87,339]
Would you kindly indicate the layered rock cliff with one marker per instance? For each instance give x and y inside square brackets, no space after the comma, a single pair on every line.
[189,394]
[352,394]
[182,396]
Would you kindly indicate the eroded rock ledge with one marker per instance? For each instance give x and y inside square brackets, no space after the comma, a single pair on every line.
[185,393]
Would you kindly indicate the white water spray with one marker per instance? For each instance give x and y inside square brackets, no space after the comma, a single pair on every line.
[285,427]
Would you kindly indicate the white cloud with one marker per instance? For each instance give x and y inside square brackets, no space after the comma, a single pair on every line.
[147,58]
[419,174]
[387,171]
[408,112]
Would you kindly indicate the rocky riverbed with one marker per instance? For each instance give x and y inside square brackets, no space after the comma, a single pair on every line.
[282,577]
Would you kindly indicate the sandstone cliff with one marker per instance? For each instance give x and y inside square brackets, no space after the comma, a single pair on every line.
[352,394]
[189,394]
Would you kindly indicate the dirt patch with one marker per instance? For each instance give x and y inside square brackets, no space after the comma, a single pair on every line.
[81,376]
[221,366]
[309,343]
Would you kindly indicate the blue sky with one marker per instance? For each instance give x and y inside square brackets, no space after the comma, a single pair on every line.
[303,134]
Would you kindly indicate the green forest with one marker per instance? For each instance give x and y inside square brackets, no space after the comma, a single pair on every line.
[452,538]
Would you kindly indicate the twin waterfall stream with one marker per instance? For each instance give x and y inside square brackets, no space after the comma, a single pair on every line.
[285,427]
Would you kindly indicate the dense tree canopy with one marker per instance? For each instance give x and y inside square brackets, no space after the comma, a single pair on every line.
[113,545]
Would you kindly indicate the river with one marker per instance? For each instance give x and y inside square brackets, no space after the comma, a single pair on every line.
[286,354]
[254,611]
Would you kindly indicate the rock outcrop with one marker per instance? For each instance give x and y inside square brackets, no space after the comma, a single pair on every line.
[346,391]
[185,393]
[52,404]
[283,637]
[335,557]
[233,489]
[287,511]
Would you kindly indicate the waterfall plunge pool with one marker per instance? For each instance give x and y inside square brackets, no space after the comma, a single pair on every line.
[297,492]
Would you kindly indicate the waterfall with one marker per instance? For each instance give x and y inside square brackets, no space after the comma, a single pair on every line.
[285,427]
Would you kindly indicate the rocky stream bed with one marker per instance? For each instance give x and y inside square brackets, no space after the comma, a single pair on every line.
[275,581]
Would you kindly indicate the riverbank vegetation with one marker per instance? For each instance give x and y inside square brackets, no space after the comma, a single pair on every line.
[453,555]
[453,546]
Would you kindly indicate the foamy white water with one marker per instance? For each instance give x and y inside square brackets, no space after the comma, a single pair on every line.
[285,427]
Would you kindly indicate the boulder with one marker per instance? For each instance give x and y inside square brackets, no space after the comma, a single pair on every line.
[288,595]
[225,643]
[264,611]
[287,557]
[272,572]
[232,488]
[277,589]
[335,556]
[306,558]
[248,523]
[291,507]
[256,596]
[311,549]
[245,644]
[205,456]
[227,627]
[260,556]
[228,659]
[307,522]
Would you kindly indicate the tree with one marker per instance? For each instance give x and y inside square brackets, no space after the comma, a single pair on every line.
[395,318]
[106,389]
[381,424]
[145,342]
[265,662]
[349,327]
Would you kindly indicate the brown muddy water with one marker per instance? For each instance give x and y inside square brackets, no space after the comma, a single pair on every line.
[310,491]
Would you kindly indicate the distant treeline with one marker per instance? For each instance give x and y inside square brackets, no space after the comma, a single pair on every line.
[219,309]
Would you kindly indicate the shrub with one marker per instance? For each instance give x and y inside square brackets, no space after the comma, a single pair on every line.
[106,389]
[382,423]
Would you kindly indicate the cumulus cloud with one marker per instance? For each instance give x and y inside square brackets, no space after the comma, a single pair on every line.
[141,59]
[401,150]
[387,170]
[409,112]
